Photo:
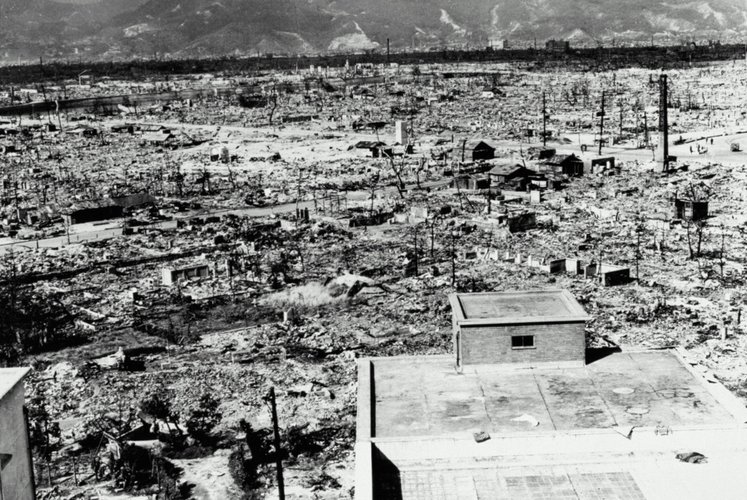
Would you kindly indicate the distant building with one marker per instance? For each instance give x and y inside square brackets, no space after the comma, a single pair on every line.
[499,44]
[470,182]
[400,133]
[171,275]
[16,469]
[598,164]
[374,149]
[518,327]
[84,131]
[510,175]
[91,211]
[562,164]
[557,45]
[133,200]
[475,150]
[157,138]
[689,209]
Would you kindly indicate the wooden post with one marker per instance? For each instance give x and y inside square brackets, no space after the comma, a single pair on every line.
[278,454]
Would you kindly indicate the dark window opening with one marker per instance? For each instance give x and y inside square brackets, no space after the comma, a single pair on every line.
[522,342]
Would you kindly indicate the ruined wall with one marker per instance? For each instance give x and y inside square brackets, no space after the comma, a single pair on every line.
[552,342]
[616,277]
[16,475]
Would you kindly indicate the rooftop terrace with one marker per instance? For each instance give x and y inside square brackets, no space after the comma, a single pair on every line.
[424,396]
[610,429]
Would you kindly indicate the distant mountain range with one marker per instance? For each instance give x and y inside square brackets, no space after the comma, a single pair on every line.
[117,29]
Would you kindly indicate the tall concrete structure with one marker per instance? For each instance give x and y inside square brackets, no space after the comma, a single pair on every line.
[662,151]
[400,132]
[16,478]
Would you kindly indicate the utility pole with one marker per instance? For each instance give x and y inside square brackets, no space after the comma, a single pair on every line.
[453,259]
[662,152]
[544,121]
[601,124]
[415,256]
[278,454]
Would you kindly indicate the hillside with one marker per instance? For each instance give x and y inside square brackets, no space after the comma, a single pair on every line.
[117,29]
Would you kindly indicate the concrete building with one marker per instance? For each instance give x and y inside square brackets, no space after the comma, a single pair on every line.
[608,274]
[16,476]
[400,133]
[170,275]
[621,425]
[92,211]
[518,327]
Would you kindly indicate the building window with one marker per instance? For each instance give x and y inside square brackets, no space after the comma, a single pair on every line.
[522,342]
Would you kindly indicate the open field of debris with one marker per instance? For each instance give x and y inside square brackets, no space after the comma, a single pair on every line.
[166,262]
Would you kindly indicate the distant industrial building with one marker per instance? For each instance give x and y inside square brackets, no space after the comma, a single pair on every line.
[522,410]
[16,471]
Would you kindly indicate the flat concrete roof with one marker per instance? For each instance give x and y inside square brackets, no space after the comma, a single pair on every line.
[540,306]
[424,396]
[9,378]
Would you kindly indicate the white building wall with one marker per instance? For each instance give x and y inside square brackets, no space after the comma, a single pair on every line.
[16,476]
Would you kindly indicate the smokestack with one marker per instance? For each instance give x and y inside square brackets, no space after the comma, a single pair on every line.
[662,151]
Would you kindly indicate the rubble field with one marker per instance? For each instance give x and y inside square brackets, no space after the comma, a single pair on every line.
[164,265]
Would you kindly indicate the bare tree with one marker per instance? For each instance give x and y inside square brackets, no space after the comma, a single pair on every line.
[398,173]
[695,231]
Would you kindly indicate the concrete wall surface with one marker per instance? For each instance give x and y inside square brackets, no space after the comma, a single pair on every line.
[552,341]
[15,476]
